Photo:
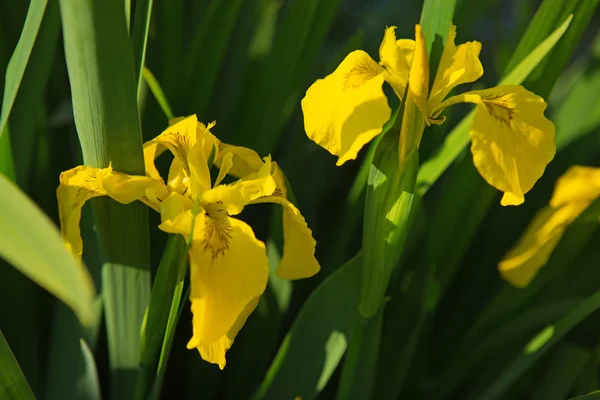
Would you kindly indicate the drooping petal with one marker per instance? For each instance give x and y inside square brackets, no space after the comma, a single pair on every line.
[578,184]
[512,140]
[215,351]
[179,138]
[348,108]
[77,186]
[233,197]
[418,86]
[520,265]
[396,57]
[229,271]
[459,64]
[128,188]
[298,260]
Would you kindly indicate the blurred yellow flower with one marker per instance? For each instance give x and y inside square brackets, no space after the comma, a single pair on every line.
[512,140]
[574,192]
[228,265]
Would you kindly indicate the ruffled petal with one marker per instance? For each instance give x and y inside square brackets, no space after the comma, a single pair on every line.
[512,140]
[77,186]
[520,265]
[199,170]
[396,57]
[215,351]
[578,184]
[229,271]
[348,108]
[298,260]
[459,64]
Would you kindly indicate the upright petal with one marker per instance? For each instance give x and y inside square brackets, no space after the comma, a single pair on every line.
[396,57]
[512,140]
[229,271]
[418,86]
[348,108]
[199,170]
[236,195]
[77,186]
[178,138]
[578,184]
[520,265]
[298,260]
[459,64]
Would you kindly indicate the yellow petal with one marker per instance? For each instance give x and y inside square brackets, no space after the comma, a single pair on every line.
[208,140]
[233,197]
[418,86]
[179,138]
[512,140]
[520,265]
[298,260]
[177,181]
[458,65]
[245,161]
[128,188]
[396,56]
[199,170]
[177,216]
[77,186]
[348,108]
[229,270]
[578,184]
[225,167]
[215,351]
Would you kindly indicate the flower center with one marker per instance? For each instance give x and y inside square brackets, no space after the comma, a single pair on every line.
[217,230]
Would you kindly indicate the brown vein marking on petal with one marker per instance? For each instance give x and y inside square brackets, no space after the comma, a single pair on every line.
[217,230]
[181,147]
[500,111]
[358,74]
[278,192]
[88,188]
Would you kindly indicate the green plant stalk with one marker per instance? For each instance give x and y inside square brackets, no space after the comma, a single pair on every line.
[103,87]
[360,365]
[390,194]
[167,285]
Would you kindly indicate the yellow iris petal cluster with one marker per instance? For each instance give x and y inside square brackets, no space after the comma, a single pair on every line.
[228,265]
[512,140]
[573,193]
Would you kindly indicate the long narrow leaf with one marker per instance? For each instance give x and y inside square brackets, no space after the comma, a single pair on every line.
[13,384]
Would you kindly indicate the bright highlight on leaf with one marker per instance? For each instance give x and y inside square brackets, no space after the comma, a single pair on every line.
[228,265]
[512,140]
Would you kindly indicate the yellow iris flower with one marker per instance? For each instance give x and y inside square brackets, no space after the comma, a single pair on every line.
[573,193]
[228,265]
[512,140]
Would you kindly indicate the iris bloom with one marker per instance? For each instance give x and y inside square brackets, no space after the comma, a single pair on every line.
[512,140]
[228,265]
[573,193]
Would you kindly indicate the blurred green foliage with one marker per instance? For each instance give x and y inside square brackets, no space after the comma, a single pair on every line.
[451,328]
